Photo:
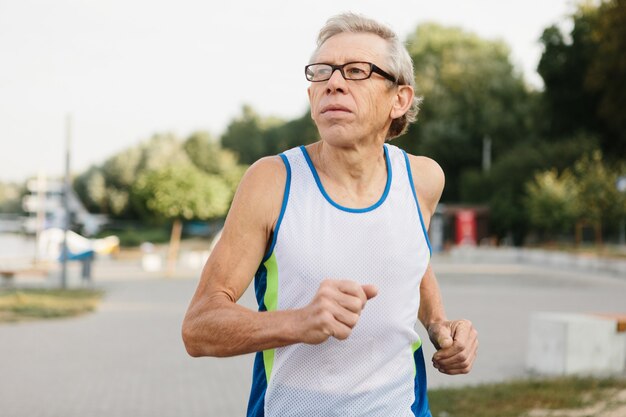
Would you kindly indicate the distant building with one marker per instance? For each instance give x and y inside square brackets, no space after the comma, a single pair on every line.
[43,204]
[458,224]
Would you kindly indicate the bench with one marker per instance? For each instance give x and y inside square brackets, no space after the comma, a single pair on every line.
[8,274]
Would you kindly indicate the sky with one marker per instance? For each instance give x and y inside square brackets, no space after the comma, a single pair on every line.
[127,69]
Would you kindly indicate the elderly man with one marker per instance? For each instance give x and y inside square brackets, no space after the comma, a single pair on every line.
[336,232]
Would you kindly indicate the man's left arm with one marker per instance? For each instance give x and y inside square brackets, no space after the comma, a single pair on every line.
[456,341]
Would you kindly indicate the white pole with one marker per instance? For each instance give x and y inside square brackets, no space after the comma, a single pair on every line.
[66,206]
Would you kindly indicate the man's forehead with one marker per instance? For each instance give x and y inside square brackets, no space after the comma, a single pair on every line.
[348,47]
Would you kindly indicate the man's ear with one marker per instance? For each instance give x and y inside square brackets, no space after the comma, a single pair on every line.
[403,100]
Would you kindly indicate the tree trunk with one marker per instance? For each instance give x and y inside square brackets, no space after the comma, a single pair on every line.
[598,229]
[172,253]
[579,234]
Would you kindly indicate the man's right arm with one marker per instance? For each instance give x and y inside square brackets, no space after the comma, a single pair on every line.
[215,325]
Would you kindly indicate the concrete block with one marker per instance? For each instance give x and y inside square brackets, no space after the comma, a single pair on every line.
[569,344]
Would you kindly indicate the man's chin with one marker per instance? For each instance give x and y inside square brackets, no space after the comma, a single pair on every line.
[337,135]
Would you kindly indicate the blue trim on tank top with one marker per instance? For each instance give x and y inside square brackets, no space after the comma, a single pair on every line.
[339,206]
[282,208]
[419,211]
[420,406]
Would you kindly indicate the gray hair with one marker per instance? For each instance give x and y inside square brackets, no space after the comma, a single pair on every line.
[400,62]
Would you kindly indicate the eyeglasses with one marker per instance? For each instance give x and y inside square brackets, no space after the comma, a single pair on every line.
[350,71]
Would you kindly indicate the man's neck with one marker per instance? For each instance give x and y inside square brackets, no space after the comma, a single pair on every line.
[357,174]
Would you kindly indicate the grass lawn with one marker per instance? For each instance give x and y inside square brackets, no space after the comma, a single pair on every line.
[562,397]
[32,304]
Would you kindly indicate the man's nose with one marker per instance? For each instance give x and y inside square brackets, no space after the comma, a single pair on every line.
[336,82]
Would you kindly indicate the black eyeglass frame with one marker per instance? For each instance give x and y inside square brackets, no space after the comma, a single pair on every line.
[373,68]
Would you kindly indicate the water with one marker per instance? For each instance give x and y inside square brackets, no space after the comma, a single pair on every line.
[14,246]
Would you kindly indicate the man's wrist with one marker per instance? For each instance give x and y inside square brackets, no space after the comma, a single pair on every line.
[428,323]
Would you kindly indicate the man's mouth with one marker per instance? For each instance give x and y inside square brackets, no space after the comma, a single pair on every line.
[334,108]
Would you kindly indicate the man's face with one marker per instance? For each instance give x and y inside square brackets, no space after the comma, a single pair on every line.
[347,111]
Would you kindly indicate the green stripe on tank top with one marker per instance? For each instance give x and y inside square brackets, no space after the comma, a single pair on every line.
[271,301]
[414,348]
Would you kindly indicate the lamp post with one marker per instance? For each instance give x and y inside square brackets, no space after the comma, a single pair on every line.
[66,204]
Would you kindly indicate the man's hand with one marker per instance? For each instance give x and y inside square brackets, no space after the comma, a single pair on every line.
[456,343]
[334,310]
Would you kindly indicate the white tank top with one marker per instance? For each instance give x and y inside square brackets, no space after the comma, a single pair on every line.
[372,372]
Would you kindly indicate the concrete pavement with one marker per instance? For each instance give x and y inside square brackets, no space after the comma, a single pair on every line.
[127,359]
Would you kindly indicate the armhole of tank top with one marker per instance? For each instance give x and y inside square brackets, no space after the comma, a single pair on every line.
[419,211]
[282,208]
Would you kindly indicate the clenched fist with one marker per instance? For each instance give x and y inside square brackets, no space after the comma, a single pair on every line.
[334,310]
[457,345]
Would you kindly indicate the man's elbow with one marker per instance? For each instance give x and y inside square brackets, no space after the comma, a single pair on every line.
[197,344]
[190,341]
[196,341]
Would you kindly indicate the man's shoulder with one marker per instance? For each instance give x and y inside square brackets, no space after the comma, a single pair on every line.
[266,168]
[426,168]
[259,195]
[428,178]
[265,179]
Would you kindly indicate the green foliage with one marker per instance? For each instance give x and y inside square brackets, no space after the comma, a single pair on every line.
[471,90]
[107,188]
[570,108]
[588,193]
[252,137]
[599,201]
[503,188]
[585,75]
[113,188]
[206,154]
[550,201]
[606,75]
[181,192]
[244,136]
[294,133]
[11,197]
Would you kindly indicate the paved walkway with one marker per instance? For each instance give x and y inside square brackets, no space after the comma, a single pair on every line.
[128,360]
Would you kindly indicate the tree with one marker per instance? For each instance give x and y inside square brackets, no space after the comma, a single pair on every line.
[207,154]
[471,91]
[90,186]
[584,74]
[599,201]
[181,192]
[550,201]
[300,131]
[108,188]
[244,136]
[587,194]
[606,75]
[503,188]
